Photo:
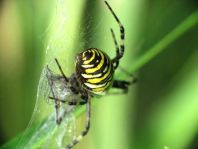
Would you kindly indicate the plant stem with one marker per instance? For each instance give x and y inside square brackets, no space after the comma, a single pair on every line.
[177,32]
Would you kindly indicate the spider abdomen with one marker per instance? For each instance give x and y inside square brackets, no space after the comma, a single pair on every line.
[94,70]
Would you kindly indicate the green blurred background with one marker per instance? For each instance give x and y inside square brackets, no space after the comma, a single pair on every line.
[161,110]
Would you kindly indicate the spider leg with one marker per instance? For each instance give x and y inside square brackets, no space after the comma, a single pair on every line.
[83,101]
[116,63]
[74,102]
[134,78]
[119,55]
[61,70]
[62,101]
[122,84]
[86,130]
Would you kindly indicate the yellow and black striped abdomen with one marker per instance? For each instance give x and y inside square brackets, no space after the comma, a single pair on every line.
[94,70]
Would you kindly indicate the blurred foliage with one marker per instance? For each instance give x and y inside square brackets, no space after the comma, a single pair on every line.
[160,110]
[21,48]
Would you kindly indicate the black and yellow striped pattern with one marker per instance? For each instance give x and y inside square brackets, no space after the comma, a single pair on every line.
[94,70]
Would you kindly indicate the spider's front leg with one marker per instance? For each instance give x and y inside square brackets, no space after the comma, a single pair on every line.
[119,47]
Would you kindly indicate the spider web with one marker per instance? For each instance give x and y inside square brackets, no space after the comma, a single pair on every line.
[42,130]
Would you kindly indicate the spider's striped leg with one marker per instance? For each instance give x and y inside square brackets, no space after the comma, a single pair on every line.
[85,131]
[134,78]
[115,62]
[122,35]
[122,84]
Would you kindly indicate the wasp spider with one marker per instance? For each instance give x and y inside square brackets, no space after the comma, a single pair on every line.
[93,76]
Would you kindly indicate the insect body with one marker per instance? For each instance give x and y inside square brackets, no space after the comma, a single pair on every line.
[93,76]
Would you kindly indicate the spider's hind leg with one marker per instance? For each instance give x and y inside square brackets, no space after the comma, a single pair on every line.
[122,84]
